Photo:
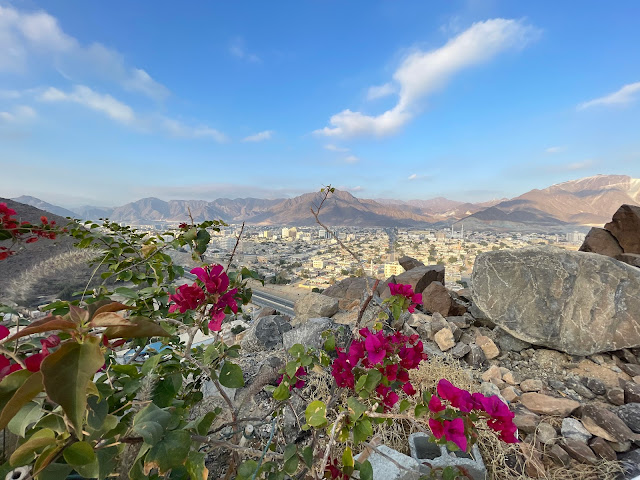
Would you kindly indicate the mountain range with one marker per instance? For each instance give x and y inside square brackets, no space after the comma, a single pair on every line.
[585,202]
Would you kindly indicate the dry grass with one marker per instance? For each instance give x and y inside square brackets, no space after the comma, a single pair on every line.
[52,275]
[429,373]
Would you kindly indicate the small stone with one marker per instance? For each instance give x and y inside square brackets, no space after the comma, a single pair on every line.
[630,462]
[557,385]
[525,419]
[509,343]
[546,405]
[572,428]
[596,386]
[490,390]
[457,333]
[606,424]
[444,339]
[533,466]
[546,434]
[437,323]
[460,321]
[602,449]
[475,357]
[620,447]
[630,415]
[580,451]
[488,347]
[467,338]
[559,456]
[492,372]
[460,350]
[510,393]
[579,388]
[631,392]
[531,385]
[630,369]
[498,383]
[636,379]
[630,358]
[615,395]
[511,378]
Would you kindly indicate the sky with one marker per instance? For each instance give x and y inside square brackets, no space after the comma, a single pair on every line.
[103,103]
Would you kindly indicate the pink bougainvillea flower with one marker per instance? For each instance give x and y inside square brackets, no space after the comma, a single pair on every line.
[496,408]
[375,349]
[215,324]
[437,428]
[187,297]
[4,332]
[454,432]
[458,398]
[407,292]
[356,352]
[435,404]
[34,361]
[215,280]
[408,389]
[50,342]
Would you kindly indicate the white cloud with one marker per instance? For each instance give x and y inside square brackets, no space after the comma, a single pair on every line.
[351,159]
[259,137]
[178,129]
[413,176]
[556,149]
[86,97]
[10,94]
[238,50]
[422,73]
[335,148]
[19,114]
[29,37]
[627,94]
[380,91]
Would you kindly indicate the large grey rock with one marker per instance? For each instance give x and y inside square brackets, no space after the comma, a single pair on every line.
[409,262]
[419,278]
[383,469]
[573,428]
[577,302]
[309,333]
[625,226]
[599,240]
[630,415]
[351,289]
[314,305]
[265,334]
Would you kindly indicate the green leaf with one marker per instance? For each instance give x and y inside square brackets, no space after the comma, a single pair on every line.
[25,452]
[347,457]
[316,414]
[79,453]
[150,423]
[190,234]
[31,386]
[170,452]
[362,431]
[296,350]
[420,410]
[290,369]
[109,319]
[404,404]
[231,375]
[246,469]
[166,389]
[358,408]
[307,456]
[55,471]
[202,424]
[126,293]
[196,467]
[28,414]
[290,459]
[372,381]
[151,363]
[281,392]
[142,327]
[97,412]
[330,343]
[66,374]
[360,382]
[106,461]
[366,470]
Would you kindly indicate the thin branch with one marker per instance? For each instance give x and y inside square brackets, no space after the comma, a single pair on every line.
[235,246]
[332,440]
[266,447]
[384,455]
[137,352]
[13,355]
[366,303]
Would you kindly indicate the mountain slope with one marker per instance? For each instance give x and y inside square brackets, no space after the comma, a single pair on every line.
[42,205]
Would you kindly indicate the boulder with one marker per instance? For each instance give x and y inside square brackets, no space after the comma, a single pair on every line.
[576,302]
[265,334]
[351,289]
[309,333]
[436,298]
[314,305]
[602,449]
[573,428]
[630,415]
[630,258]
[599,240]
[419,278]
[603,423]
[409,262]
[580,451]
[546,405]
[625,226]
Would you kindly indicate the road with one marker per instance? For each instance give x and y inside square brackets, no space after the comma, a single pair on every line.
[264,299]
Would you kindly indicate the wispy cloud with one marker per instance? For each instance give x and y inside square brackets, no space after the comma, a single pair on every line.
[335,148]
[18,114]
[86,97]
[238,50]
[30,37]
[380,91]
[417,177]
[556,149]
[626,95]
[259,137]
[177,129]
[351,159]
[422,73]
[571,167]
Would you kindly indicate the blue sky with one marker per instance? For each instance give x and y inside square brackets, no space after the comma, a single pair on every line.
[106,102]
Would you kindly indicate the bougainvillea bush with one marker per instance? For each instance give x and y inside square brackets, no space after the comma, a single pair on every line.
[78,404]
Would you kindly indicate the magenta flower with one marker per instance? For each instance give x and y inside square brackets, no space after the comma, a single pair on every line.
[408,389]
[214,278]
[407,292]
[4,332]
[435,405]
[454,432]
[496,408]
[187,297]
[458,398]
[375,348]
[437,428]
[7,368]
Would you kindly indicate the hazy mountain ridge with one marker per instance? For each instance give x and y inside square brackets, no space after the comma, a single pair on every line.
[587,201]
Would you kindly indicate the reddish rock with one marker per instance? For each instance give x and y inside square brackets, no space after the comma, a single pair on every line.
[599,240]
[625,226]
[420,278]
[602,449]
[559,456]
[580,451]
[546,405]
[436,298]
[488,347]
